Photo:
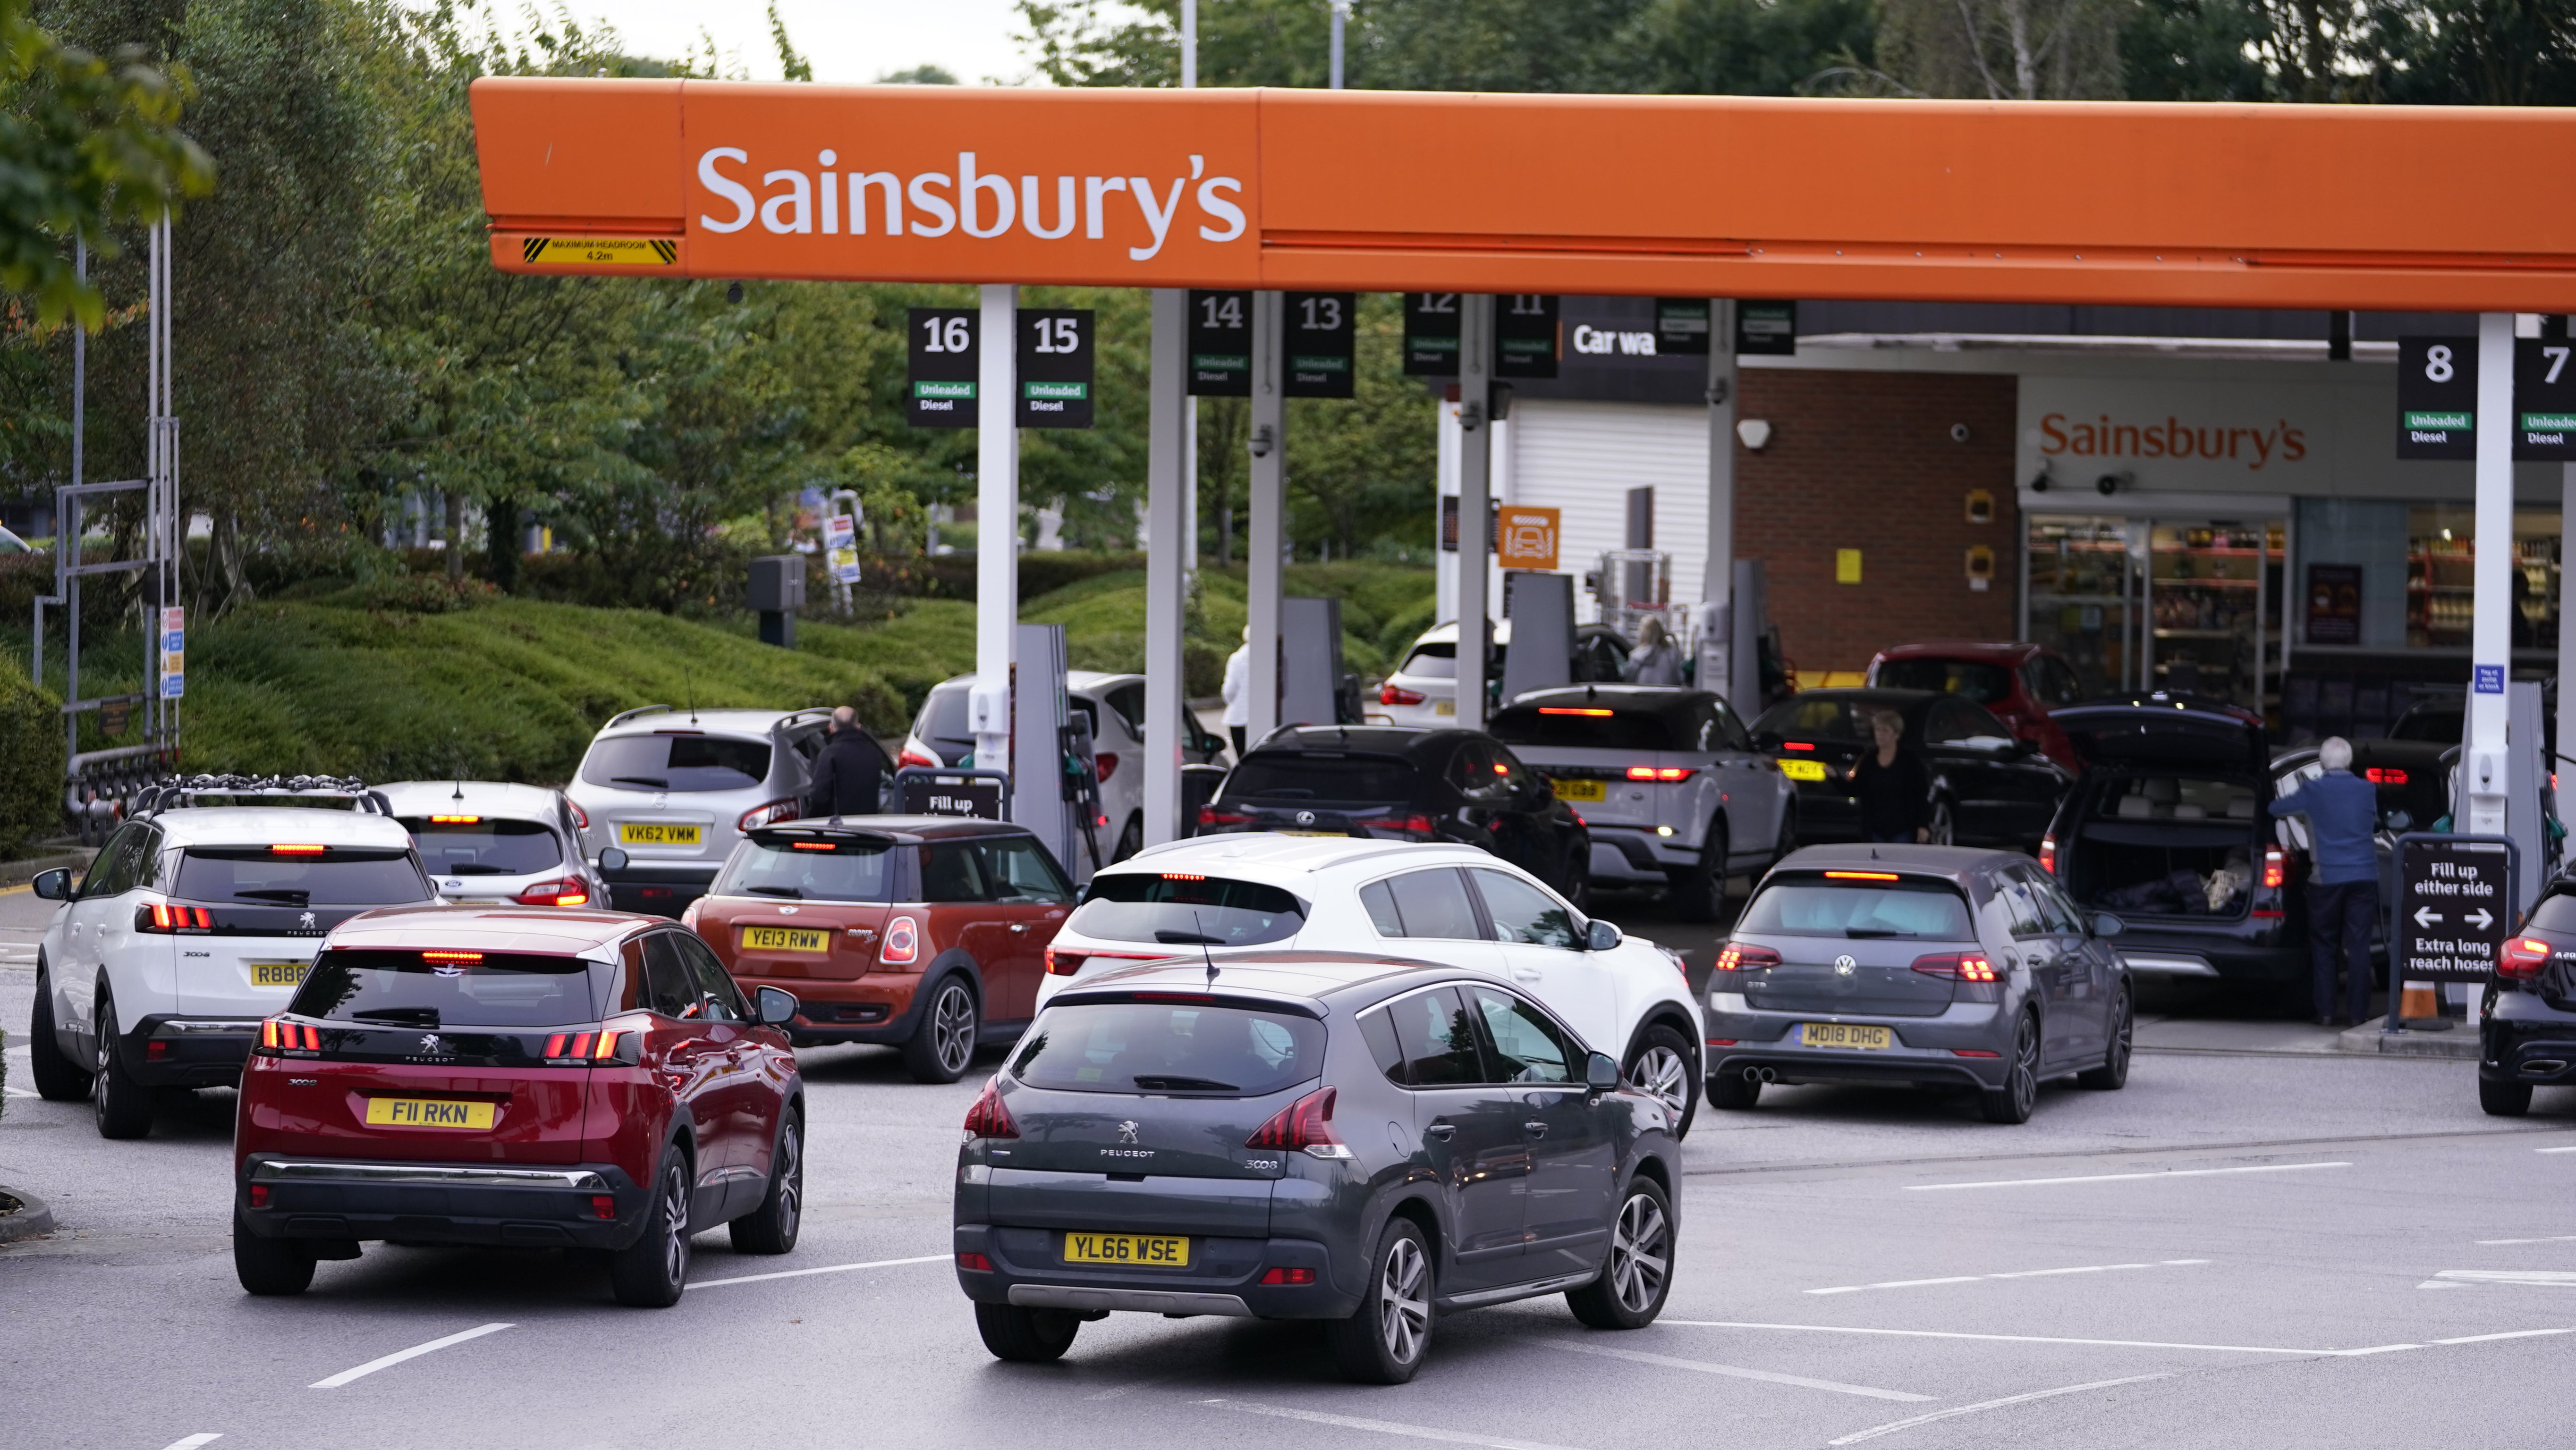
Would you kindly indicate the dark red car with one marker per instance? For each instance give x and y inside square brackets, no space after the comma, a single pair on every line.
[508,1075]
[2019,682]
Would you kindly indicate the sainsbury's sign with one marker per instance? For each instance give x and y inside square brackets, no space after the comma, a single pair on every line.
[2108,436]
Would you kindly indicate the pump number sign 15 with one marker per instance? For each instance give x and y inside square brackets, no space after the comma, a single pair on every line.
[1055,367]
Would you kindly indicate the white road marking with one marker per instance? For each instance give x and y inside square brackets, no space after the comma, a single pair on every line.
[21,1093]
[1892,1427]
[2554,1150]
[2015,1274]
[398,1356]
[2509,1334]
[2126,1177]
[1998,1338]
[831,1269]
[1738,1372]
[2436,1284]
[1383,1427]
[2553,1239]
[193,1441]
[2535,1278]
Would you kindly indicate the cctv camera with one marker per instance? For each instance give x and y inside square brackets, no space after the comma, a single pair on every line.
[2111,483]
[1958,432]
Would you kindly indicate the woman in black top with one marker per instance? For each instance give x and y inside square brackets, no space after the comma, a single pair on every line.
[1893,790]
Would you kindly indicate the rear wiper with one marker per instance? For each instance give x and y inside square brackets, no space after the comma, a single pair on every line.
[1874,933]
[651,780]
[1171,1082]
[470,868]
[280,894]
[399,1017]
[1188,939]
[790,892]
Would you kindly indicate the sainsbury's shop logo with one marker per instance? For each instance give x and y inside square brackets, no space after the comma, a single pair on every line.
[2172,438]
[969,201]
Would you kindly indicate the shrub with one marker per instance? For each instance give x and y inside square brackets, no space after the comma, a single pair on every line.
[31,761]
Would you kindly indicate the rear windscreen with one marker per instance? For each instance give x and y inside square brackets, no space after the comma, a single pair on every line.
[282,876]
[1278,775]
[1819,905]
[1586,727]
[677,762]
[1982,683]
[435,991]
[1814,720]
[2554,913]
[1185,911]
[480,846]
[1170,1047]
[943,719]
[811,871]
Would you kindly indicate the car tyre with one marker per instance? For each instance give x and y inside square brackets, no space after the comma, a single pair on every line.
[653,1271]
[2113,1074]
[1699,889]
[1661,1065]
[1130,840]
[1578,877]
[1385,1340]
[1734,1092]
[771,1228]
[2012,1102]
[270,1268]
[1022,1335]
[1638,1275]
[122,1106]
[1788,841]
[942,1045]
[1943,828]
[58,1078]
[2504,1099]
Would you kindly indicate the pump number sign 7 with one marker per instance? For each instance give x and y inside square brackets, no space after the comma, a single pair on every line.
[2544,399]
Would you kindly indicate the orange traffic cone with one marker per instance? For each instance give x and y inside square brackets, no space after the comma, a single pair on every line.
[2419,1002]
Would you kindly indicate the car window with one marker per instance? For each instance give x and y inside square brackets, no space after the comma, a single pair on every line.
[2052,681]
[2023,915]
[290,875]
[943,717]
[1432,662]
[113,861]
[797,869]
[1161,1047]
[1022,872]
[470,845]
[1953,722]
[1128,701]
[372,988]
[1983,683]
[954,871]
[1856,904]
[1378,1030]
[1830,719]
[1185,909]
[1430,903]
[1435,1039]
[1588,727]
[1508,768]
[1719,729]
[1523,913]
[675,762]
[1527,1046]
[1320,776]
[147,858]
[2062,914]
[668,987]
[724,999]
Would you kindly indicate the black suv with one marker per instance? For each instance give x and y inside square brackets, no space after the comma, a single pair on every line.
[1402,784]
[2527,1027]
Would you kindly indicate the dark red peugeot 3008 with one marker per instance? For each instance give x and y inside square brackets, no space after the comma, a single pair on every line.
[505,1075]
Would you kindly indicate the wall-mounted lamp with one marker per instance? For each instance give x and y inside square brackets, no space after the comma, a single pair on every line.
[1754,432]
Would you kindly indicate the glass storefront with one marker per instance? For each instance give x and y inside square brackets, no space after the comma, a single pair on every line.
[2186,604]
[2399,576]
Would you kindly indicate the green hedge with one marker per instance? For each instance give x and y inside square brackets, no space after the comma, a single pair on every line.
[31,761]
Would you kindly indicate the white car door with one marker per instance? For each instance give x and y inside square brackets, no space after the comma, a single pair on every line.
[1541,942]
[1428,915]
[87,918]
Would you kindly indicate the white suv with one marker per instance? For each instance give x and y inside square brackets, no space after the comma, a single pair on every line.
[191,926]
[1454,905]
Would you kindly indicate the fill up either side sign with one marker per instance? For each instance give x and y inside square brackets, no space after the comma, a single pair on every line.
[2454,908]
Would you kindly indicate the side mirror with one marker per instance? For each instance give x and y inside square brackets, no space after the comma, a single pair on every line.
[777,1007]
[1602,936]
[611,859]
[2105,924]
[1601,1072]
[2400,821]
[2025,747]
[54,885]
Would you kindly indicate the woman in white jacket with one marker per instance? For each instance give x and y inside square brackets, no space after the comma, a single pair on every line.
[1238,691]
[1655,660]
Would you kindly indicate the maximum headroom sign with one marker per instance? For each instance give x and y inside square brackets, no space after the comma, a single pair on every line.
[2454,907]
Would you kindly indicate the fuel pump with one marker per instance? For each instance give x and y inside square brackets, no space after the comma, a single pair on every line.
[1082,782]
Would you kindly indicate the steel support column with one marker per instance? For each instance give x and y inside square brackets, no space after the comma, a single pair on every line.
[1166,487]
[1263,567]
[997,524]
[1717,666]
[2482,762]
[1475,495]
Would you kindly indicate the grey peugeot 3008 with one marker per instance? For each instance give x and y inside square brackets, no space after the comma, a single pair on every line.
[1307,1135]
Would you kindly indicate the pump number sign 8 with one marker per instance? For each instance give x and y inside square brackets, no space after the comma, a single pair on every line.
[2437,397]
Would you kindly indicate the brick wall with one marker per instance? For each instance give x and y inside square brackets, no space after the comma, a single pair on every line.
[1864,460]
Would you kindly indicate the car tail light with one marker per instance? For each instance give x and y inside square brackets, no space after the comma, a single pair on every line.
[1972,1052]
[1662,772]
[975,1263]
[167,919]
[1288,1276]
[1104,763]
[770,814]
[603,1206]
[456,820]
[1957,966]
[566,892]
[1305,1125]
[281,1038]
[1738,957]
[580,817]
[902,946]
[300,850]
[1721,1042]
[912,757]
[689,913]
[1211,816]
[604,1044]
[2048,854]
[2384,775]
[1415,827]
[461,959]
[1398,695]
[989,1118]
[2276,868]
[259,1195]
[2521,958]
[1062,964]
[1797,745]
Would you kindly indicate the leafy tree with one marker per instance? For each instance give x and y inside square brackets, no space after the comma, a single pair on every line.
[1752,47]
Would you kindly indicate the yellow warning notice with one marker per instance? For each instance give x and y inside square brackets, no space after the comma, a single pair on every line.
[598,252]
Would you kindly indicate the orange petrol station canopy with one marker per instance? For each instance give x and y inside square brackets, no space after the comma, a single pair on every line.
[2379,208]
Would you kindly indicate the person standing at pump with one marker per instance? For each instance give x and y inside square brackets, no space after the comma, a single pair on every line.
[1894,790]
[849,774]
[1654,661]
[1238,691]
[2343,897]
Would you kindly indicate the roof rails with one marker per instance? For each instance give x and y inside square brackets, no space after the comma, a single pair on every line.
[179,792]
[622,716]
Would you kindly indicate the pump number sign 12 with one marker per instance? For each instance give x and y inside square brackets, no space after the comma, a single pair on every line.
[942,382]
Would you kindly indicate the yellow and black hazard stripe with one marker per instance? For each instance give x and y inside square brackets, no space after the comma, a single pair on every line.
[599,251]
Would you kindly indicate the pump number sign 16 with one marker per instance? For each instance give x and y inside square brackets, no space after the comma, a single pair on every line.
[942,392]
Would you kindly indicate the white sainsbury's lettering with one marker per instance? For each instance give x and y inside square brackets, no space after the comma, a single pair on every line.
[984,204]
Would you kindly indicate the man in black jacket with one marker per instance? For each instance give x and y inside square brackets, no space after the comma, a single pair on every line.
[848,772]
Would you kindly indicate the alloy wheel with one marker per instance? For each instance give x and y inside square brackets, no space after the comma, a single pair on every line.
[1662,1072]
[1404,1301]
[1942,827]
[100,1076]
[2120,1040]
[2025,1068]
[790,1171]
[952,1027]
[1640,1253]
[675,1222]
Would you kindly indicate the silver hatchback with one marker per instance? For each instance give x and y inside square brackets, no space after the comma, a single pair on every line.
[672,790]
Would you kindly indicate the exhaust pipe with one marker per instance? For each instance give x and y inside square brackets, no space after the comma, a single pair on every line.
[1759,1074]
[2542,1067]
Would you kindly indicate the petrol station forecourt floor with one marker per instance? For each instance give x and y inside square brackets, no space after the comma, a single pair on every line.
[2277,1245]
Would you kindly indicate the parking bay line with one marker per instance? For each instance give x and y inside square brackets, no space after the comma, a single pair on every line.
[1892,1427]
[2128,1177]
[398,1356]
[828,1269]
[1383,1427]
[2532,1278]
[2015,1274]
[194,1441]
[2552,1239]
[2006,1338]
[1739,1372]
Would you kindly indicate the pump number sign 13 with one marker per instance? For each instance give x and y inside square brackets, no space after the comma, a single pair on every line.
[1055,367]
[1318,328]
[942,392]
[2437,397]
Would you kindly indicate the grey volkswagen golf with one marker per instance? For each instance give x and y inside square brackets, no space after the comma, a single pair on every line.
[1933,965]
[1367,1142]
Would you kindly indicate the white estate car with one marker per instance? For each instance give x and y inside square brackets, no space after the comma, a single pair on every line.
[1453,905]
[1423,690]
[492,843]
[190,927]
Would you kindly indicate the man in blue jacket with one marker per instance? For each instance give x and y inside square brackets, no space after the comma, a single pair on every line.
[2343,899]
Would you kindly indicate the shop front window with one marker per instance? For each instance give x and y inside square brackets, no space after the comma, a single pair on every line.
[2083,597]
[2192,605]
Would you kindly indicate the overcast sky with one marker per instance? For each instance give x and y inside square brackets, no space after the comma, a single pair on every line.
[850,41]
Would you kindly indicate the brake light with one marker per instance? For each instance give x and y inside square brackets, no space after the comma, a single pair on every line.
[296,850]
[2384,775]
[1797,745]
[603,1206]
[902,943]
[451,956]
[1555,710]
[989,1118]
[1398,695]
[1305,1125]
[1404,828]
[912,757]
[456,820]
[1651,772]
[1861,876]
[259,1195]
[770,814]
[1211,816]
[580,817]
[1288,1276]
[1104,763]
[1738,957]
[2521,958]
[566,892]
[811,845]
[1957,966]
[1062,964]
[173,918]
[2048,854]
[2276,868]
[1182,876]
[278,1037]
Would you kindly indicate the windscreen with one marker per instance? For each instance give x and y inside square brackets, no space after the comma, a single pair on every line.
[1982,683]
[1592,727]
[1185,911]
[2437,723]
[436,991]
[811,871]
[483,846]
[280,876]
[677,762]
[1281,775]
[1818,905]
[1170,1047]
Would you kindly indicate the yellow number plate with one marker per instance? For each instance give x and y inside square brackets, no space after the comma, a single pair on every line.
[785,939]
[1581,790]
[428,1113]
[654,833]
[1444,707]
[278,974]
[1150,1251]
[1803,769]
[1844,1034]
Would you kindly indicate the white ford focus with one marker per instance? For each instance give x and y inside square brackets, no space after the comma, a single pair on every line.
[1454,905]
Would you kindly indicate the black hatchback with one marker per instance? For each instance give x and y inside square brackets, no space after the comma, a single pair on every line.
[1401,784]
[2527,1027]
[1988,788]
[1324,1136]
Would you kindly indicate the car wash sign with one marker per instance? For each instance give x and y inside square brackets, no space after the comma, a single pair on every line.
[2454,907]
